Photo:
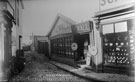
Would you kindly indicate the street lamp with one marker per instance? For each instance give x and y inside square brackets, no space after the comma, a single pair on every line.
[20,36]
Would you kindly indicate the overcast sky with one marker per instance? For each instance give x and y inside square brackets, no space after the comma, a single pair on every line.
[39,15]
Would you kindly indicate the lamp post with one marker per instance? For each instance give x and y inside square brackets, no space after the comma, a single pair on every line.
[20,41]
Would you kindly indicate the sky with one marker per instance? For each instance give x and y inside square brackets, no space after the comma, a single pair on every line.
[39,15]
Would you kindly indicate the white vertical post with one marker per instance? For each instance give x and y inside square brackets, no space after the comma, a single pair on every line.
[3,35]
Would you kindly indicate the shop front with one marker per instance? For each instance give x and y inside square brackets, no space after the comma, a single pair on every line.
[82,33]
[60,40]
[116,26]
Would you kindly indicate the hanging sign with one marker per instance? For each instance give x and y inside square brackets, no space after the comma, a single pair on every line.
[84,27]
[93,50]
[108,4]
[74,46]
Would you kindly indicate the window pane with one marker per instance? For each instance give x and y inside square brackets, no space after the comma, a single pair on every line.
[108,28]
[121,27]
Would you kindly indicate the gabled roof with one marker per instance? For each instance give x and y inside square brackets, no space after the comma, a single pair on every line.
[56,20]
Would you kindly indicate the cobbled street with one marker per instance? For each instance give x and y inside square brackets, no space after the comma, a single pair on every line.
[38,69]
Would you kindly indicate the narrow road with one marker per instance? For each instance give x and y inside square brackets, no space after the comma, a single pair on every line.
[38,69]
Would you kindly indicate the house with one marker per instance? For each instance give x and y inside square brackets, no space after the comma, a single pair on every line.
[60,39]
[115,25]
[10,30]
[37,43]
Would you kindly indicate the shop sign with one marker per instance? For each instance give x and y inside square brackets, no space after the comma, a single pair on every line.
[83,27]
[109,4]
[74,46]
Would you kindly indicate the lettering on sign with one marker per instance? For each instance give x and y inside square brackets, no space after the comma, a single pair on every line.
[83,27]
[108,4]
[104,2]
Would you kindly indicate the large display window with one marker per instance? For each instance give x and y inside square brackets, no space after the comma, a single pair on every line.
[119,43]
[62,46]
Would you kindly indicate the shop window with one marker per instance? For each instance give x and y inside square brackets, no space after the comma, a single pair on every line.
[119,44]
[121,27]
[62,46]
[109,28]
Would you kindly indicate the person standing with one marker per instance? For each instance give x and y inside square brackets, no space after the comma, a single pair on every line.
[86,43]
[87,53]
[88,58]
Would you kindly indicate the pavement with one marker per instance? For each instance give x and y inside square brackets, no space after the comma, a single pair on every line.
[93,76]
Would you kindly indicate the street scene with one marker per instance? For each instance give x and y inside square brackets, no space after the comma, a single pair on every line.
[67,40]
[39,69]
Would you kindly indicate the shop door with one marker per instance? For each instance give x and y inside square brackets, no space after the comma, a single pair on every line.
[118,44]
[80,40]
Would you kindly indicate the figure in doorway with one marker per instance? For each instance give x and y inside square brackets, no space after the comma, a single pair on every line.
[86,43]
[87,53]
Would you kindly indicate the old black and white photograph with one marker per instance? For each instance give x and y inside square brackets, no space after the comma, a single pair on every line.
[67,40]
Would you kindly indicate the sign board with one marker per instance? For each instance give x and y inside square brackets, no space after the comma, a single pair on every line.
[74,46]
[83,27]
[109,4]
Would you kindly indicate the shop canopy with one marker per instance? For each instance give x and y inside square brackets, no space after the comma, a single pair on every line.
[116,11]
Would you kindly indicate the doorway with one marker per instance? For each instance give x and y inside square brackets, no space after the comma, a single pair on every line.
[80,40]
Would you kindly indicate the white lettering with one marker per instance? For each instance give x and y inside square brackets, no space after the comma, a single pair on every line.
[102,2]
[105,2]
[83,27]
[109,4]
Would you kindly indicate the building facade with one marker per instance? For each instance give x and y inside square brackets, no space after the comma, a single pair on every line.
[38,43]
[115,29]
[83,37]
[67,39]
[61,38]
[8,26]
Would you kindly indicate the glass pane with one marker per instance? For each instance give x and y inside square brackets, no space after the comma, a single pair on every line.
[121,27]
[108,28]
